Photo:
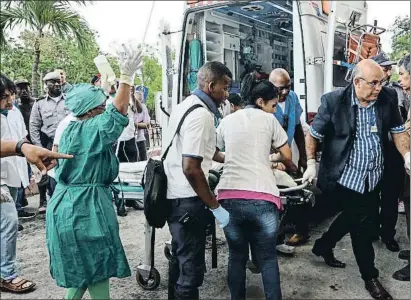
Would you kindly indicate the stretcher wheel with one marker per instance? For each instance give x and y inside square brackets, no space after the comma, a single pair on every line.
[167,252]
[152,283]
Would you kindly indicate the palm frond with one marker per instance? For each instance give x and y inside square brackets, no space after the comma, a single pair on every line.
[58,16]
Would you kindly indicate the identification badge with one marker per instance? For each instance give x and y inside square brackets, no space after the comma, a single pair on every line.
[374,129]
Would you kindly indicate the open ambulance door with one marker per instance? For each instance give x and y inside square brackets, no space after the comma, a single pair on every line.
[165,100]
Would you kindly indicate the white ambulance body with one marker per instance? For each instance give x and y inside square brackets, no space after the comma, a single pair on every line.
[263,35]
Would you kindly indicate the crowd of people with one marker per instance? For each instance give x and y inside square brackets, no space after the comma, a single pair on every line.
[363,131]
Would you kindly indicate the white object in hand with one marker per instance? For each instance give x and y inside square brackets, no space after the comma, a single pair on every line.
[407,162]
[311,171]
[105,69]
[130,63]
[222,216]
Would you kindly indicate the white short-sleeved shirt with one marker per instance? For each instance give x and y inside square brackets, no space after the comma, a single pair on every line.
[61,127]
[196,139]
[59,132]
[130,131]
[247,137]
[14,170]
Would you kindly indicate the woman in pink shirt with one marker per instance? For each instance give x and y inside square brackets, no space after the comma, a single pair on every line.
[142,122]
[247,187]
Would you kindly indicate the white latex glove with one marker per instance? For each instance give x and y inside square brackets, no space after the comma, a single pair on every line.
[311,171]
[222,216]
[130,63]
[407,162]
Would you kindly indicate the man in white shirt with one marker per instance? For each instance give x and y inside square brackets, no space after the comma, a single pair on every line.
[187,165]
[14,170]
[126,147]
[14,173]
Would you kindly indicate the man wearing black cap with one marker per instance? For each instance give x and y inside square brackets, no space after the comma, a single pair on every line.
[25,104]
[25,101]
[393,170]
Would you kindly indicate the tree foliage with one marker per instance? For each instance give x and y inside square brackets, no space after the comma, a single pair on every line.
[44,17]
[400,37]
[17,60]
[17,57]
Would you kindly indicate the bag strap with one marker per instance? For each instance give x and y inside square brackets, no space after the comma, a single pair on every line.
[179,127]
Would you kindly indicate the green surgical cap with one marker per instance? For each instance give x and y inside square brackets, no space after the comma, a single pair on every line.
[82,98]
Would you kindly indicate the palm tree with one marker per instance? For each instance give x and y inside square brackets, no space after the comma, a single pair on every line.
[41,16]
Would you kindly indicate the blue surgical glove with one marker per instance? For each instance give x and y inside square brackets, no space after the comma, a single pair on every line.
[222,216]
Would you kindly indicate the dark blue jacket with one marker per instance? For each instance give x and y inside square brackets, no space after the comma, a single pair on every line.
[336,121]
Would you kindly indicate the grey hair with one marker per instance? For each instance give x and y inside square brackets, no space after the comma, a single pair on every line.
[356,72]
[212,71]
[405,62]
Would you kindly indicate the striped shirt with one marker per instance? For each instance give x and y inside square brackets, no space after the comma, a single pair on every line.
[366,162]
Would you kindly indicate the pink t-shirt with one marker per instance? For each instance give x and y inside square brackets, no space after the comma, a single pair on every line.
[238,194]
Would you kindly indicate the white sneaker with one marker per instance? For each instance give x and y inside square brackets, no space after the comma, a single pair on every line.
[285,249]
[401,208]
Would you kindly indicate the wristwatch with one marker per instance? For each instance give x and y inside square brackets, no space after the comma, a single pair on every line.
[18,147]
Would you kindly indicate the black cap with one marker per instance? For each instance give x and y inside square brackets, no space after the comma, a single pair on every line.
[383,60]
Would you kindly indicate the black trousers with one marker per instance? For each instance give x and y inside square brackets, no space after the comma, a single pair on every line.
[406,199]
[142,151]
[358,217]
[127,151]
[391,188]
[187,261]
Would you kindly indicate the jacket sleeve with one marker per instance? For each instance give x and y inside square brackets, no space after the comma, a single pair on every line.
[321,120]
[407,123]
[35,125]
[397,123]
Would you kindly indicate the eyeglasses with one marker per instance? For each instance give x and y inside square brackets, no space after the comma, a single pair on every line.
[373,84]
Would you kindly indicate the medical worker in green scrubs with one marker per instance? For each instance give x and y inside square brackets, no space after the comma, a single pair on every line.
[81,224]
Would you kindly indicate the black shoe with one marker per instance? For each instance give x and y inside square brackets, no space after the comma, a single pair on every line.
[404,254]
[376,290]
[24,202]
[328,257]
[402,274]
[121,213]
[392,245]
[25,215]
[20,227]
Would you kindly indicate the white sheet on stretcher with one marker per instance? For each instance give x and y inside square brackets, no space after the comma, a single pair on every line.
[131,172]
[281,177]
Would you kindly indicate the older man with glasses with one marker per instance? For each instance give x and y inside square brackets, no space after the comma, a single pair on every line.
[354,124]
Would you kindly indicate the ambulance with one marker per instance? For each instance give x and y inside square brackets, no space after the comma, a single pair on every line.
[317,42]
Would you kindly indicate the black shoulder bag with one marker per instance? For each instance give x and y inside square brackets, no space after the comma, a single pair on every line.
[154,182]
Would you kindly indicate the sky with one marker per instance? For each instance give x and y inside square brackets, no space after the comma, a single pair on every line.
[122,21]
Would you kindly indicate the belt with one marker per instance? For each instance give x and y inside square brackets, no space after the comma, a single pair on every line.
[72,185]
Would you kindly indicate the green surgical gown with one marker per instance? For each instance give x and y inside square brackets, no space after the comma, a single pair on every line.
[82,230]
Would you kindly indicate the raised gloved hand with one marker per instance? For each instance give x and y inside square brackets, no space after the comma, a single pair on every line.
[222,216]
[407,162]
[130,63]
[311,171]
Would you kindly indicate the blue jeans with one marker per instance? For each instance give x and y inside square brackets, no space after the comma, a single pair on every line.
[254,223]
[9,226]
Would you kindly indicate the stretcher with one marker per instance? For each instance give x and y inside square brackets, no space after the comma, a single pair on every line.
[127,188]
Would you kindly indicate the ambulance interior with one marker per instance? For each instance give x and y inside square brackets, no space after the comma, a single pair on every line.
[244,36]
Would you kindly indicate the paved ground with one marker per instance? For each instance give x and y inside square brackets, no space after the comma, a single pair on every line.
[302,277]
